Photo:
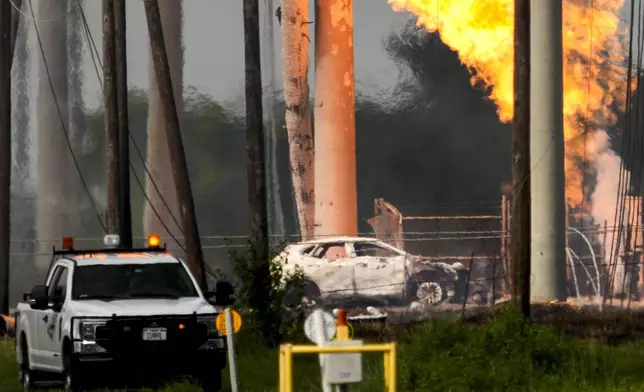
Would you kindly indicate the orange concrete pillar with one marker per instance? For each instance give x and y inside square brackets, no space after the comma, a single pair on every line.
[336,199]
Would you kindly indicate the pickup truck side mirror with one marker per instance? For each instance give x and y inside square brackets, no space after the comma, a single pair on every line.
[223,294]
[39,297]
[58,299]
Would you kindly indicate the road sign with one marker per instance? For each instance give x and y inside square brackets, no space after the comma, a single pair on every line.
[328,326]
[220,323]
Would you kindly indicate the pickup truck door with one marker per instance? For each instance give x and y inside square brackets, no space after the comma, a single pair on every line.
[50,322]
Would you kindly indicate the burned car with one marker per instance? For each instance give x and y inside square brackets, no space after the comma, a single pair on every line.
[357,267]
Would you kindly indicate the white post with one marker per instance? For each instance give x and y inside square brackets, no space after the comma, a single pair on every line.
[547,182]
[232,366]
[320,339]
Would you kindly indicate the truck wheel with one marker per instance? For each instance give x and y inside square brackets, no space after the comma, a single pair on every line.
[71,375]
[24,372]
[209,381]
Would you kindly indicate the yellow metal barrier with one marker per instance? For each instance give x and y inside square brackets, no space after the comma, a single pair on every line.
[288,350]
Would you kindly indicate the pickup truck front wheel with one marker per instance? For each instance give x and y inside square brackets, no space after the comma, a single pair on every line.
[71,374]
[209,380]
[24,372]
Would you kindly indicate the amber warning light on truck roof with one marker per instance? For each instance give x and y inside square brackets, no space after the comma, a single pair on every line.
[154,241]
[68,243]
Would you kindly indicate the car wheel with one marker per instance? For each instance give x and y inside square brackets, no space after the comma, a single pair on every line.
[425,290]
[72,381]
[25,375]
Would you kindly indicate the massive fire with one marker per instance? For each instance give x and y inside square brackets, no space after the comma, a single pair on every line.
[481,32]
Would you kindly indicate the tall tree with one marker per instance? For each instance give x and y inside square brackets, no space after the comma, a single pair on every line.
[295,67]
[161,189]
[56,177]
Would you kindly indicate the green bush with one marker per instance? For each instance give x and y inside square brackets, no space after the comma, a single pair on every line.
[268,318]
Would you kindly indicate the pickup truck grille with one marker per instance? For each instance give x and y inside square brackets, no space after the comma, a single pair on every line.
[123,336]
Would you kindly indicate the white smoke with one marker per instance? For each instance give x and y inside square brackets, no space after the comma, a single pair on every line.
[604,199]
[607,166]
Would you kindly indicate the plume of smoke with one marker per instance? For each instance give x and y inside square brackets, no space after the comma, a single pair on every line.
[604,199]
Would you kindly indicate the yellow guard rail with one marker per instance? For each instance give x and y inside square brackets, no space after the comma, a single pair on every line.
[288,350]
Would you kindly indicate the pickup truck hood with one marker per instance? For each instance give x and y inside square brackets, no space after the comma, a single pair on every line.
[142,307]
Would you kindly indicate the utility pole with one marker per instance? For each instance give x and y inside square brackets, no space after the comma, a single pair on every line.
[520,216]
[111,118]
[175,142]
[256,165]
[547,181]
[5,152]
[125,208]
[336,195]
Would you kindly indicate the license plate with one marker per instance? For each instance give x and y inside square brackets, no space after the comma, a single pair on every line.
[154,334]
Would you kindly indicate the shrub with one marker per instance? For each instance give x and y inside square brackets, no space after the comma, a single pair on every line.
[269,316]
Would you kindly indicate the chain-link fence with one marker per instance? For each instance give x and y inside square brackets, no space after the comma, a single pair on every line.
[454,268]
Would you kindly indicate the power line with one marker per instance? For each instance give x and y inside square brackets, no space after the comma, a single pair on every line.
[62,121]
[96,60]
[93,50]
[33,17]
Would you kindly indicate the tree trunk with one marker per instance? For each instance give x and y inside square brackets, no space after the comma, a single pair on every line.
[158,156]
[56,175]
[295,66]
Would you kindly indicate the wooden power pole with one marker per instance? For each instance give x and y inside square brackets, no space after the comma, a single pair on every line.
[255,160]
[111,118]
[175,142]
[125,208]
[5,152]
[520,216]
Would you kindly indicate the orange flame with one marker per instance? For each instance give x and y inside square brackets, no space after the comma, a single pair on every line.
[482,33]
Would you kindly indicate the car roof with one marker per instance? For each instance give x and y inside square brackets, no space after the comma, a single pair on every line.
[339,239]
[105,258]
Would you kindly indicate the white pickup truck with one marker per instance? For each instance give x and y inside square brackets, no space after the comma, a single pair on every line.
[136,316]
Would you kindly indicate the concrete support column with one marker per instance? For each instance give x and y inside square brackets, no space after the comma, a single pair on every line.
[336,205]
[547,180]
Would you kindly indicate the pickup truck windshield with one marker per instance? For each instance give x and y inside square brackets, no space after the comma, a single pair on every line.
[132,281]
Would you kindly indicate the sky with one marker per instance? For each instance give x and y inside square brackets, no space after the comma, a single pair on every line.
[214,51]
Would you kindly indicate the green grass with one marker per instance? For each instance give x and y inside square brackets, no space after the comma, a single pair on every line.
[504,354]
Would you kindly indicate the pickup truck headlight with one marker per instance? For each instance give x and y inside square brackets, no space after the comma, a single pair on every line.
[87,329]
[210,322]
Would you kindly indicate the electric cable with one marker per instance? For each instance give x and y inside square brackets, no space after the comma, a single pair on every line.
[619,205]
[93,50]
[32,16]
[96,60]
[636,175]
[62,122]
